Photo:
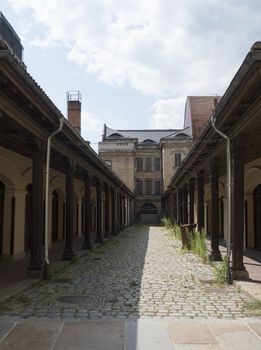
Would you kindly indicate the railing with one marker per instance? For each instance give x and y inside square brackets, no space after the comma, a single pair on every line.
[9,38]
[74,96]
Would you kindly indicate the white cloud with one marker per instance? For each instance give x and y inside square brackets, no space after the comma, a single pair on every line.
[167,113]
[90,123]
[164,48]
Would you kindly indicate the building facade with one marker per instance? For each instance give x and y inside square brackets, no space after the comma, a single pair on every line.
[198,191]
[83,200]
[145,161]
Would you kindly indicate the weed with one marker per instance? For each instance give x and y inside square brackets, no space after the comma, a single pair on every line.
[252,307]
[221,271]
[198,244]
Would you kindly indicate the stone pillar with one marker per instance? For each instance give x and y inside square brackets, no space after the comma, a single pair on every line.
[107,211]
[99,236]
[214,174]
[87,242]
[185,204]
[237,219]
[191,200]
[113,212]
[68,253]
[200,182]
[36,265]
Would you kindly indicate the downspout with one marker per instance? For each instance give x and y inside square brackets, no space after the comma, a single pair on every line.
[213,121]
[47,176]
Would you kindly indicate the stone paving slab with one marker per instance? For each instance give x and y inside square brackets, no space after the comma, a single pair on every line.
[31,335]
[91,335]
[190,333]
[147,335]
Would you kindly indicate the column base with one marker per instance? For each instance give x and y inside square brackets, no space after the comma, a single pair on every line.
[35,272]
[215,255]
[99,239]
[86,246]
[240,274]
[68,255]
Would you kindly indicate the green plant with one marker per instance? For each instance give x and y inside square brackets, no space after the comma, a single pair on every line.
[252,307]
[198,244]
[221,271]
[166,222]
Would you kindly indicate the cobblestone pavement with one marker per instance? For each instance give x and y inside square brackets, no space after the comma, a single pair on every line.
[140,273]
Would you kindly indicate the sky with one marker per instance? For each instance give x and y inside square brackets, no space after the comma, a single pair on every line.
[134,62]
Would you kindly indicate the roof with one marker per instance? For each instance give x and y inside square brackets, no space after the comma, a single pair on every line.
[146,135]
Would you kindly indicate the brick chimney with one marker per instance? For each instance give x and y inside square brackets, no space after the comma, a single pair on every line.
[74,101]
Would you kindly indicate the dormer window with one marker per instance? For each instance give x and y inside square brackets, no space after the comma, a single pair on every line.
[148,141]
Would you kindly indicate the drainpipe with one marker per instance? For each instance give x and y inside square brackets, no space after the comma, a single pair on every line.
[47,175]
[213,121]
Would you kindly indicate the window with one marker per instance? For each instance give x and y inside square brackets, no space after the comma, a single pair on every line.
[148,187]
[139,187]
[157,187]
[156,163]
[108,163]
[177,159]
[148,166]
[139,164]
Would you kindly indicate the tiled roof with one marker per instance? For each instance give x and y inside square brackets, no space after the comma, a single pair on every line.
[142,135]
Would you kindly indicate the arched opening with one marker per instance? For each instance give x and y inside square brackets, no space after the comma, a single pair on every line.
[28,218]
[149,213]
[55,216]
[257,217]
[2,207]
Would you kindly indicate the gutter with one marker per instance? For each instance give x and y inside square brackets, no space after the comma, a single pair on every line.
[47,176]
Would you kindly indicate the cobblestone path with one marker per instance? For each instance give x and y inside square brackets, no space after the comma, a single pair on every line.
[141,272]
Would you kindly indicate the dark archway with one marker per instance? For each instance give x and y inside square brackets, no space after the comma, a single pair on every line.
[149,213]
[2,210]
[28,218]
[257,217]
[148,208]
[55,216]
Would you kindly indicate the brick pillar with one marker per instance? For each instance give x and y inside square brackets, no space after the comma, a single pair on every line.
[87,243]
[214,173]
[68,253]
[237,219]
[200,182]
[191,200]
[36,265]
